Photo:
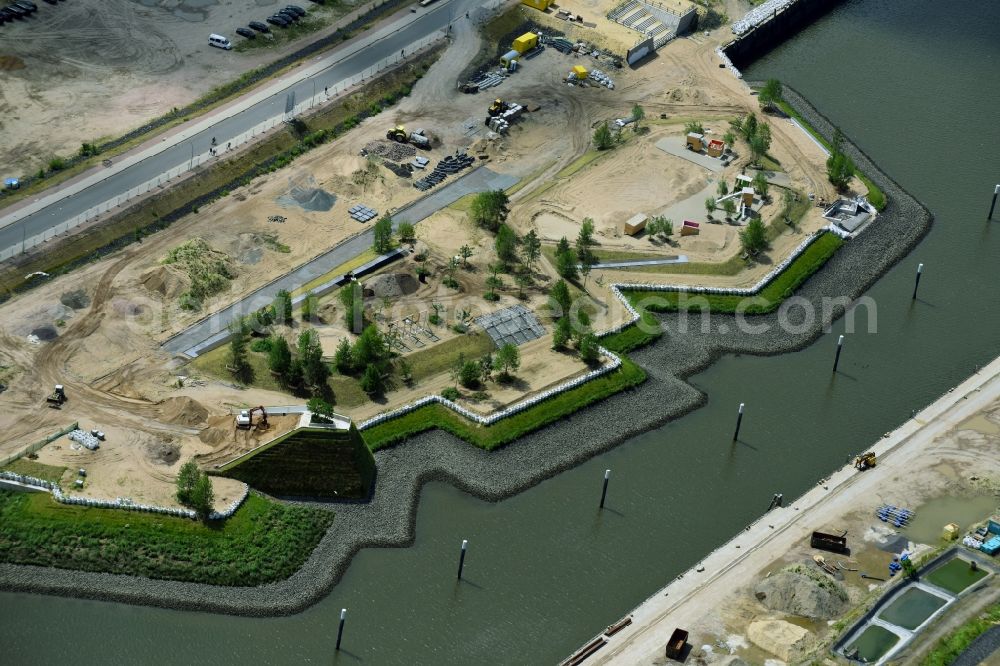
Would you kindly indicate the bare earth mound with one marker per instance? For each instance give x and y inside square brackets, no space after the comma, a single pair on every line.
[183,411]
[796,592]
[166,281]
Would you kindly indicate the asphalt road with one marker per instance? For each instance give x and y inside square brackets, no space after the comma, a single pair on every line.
[434,18]
[212,331]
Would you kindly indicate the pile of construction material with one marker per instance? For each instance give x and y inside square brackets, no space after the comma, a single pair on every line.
[602,79]
[487,80]
[362,213]
[85,438]
[448,165]
[503,119]
[402,170]
[759,14]
[390,150]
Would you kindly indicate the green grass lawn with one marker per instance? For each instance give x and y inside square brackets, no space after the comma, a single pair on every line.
[262,543]
[955,643]
[767,300]
[36,469]
[509,429]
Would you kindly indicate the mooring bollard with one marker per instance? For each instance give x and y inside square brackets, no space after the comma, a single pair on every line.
[916,285]
[461,558]
[836,359]
[996,191]
[604,490]
[340,631]
[739,421]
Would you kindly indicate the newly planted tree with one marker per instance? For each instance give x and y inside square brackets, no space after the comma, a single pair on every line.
[507,359]
[753,237]
[382,235]
[603,139]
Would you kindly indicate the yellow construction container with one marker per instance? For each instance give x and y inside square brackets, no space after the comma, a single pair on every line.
[951,532]
[580,71]
[525,42]
[540,5]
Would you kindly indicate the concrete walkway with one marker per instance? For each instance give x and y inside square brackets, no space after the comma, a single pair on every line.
[213,330]
[679,259]
[677,146]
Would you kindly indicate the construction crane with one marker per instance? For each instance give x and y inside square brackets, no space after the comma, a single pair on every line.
[244,420]
[56,399]
[865,461]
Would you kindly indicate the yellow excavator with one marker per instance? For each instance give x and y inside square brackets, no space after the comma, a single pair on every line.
[865,461]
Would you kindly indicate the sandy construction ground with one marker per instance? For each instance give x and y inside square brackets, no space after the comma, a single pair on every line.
[89,69]
[946,451]
[98,329]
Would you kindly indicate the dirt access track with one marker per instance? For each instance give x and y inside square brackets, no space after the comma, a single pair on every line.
[84,70]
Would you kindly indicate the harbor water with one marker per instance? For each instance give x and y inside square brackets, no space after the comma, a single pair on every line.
[913,87]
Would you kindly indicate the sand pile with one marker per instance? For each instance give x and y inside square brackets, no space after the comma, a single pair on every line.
[182,410]
[391,285]
[798,591]
[220,429]
[166,281]
[783,639]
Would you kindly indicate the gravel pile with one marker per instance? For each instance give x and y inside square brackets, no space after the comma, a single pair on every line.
[390,150]
[388,519]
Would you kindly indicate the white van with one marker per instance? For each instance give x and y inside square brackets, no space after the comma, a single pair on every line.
[219,41]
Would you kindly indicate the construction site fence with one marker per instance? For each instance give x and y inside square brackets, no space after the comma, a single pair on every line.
[161,181]
[31,448]
[123,503]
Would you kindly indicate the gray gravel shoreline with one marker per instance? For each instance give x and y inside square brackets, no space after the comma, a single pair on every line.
[388,520]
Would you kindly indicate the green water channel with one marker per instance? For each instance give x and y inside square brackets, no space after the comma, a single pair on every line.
[910,609]
[873,643]
[546,571]
[955,575]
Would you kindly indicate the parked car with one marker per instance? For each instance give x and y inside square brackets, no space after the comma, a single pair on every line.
[296,9]
[246,32]
[219,42]
[291,16]
[19,12]
[259,27]
[52,2]
[276,19]
[27,6]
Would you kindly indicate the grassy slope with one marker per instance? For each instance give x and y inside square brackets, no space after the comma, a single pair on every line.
[955,643]
[309,463]
[263,542]
[767,300]
[36,469]
[509,429]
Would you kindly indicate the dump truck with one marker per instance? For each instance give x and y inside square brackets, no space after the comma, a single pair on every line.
[865,461]
[57,397]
